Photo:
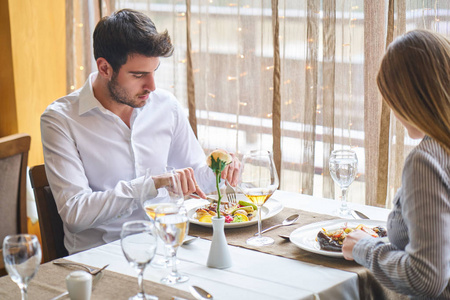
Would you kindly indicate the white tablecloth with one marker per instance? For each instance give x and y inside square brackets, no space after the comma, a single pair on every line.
[254,275]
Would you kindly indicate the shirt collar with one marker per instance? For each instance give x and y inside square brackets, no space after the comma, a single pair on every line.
[87,98]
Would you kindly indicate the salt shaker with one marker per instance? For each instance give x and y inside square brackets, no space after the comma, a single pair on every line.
[79,285]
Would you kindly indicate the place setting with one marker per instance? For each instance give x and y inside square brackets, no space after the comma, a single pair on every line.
[257,220]
[252,203]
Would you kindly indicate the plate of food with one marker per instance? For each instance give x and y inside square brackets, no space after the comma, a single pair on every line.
[241,215]
[326,237]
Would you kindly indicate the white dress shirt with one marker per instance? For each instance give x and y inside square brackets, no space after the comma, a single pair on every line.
[95,163]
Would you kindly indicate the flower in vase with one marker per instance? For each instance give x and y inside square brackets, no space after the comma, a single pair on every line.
[217,161]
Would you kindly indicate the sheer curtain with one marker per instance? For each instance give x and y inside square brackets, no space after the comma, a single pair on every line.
[294,77]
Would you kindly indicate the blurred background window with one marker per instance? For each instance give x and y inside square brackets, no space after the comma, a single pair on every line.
[296,77]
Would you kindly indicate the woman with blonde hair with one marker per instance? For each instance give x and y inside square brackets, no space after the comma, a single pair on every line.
[415,83]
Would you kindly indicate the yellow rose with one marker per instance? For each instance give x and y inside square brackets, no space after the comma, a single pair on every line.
[214,158]
[217,160]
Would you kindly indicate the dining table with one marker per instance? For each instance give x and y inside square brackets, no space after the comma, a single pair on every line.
[279,271]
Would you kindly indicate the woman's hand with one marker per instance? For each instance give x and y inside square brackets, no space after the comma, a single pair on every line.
[350,242]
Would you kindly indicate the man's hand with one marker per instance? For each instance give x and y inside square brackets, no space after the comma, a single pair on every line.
[187,182]
[231,171]
[350,242]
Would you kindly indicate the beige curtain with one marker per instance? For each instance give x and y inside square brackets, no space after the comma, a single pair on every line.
[294,77]
[81,18]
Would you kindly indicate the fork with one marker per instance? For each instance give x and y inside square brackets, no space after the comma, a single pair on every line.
[231,193]
[92,271]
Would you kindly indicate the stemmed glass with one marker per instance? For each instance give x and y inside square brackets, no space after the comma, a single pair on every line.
[139,241]
[172,225]
[170,193]
[22,255]
[258,181]
[343,167]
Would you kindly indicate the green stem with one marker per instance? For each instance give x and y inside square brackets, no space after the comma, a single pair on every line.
[218,193]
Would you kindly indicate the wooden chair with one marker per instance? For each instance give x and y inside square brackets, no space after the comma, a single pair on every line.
[13,200]
[50,223]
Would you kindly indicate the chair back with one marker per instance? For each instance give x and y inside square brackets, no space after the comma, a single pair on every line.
[50,223]
[13,201]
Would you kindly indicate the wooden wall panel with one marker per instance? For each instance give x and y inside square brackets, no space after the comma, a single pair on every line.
[38,55]
[8,115]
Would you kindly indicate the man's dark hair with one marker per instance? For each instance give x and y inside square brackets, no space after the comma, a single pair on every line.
[127,32]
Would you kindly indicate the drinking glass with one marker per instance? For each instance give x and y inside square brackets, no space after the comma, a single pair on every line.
[172,225]
[22,256]
[166,196]
[258,181]
[139,241]
[343,167]
[169,193]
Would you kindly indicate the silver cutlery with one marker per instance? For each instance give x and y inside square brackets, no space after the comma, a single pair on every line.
[286,222]
[92,271]
[199,293]
[210,199]
[95,280]
[189,240]
[359,215]
[231,193]
[284,236]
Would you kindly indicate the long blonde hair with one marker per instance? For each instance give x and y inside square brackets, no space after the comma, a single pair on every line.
[414,80]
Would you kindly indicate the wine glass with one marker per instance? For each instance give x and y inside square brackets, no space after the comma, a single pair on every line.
[343,167]
[170,193]
[172,225]
[258,181]
[22,256]
[139,241]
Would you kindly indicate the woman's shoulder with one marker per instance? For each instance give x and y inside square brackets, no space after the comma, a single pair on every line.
[432,147]
[429,152]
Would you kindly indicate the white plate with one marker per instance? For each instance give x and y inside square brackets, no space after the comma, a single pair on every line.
[271,208]
[305,236]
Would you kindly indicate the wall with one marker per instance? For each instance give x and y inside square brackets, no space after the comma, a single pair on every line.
[33,60]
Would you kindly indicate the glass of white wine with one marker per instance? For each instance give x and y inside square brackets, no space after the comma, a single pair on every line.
[139,242]
[167,195]
[22,256]
[172,225]
[343,167]
[258,181]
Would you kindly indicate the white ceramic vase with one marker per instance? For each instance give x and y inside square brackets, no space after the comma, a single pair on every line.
[219,254]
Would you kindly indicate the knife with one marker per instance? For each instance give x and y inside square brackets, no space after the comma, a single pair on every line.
[95,280]
[359,215]
[210,199]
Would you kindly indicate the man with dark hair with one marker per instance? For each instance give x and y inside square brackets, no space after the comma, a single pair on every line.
[99,140]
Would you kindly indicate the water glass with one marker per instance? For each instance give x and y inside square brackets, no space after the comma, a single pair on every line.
[343,167]
[139,242]
[22,256]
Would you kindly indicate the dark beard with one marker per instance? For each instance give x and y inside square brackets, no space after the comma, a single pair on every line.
[118,94]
